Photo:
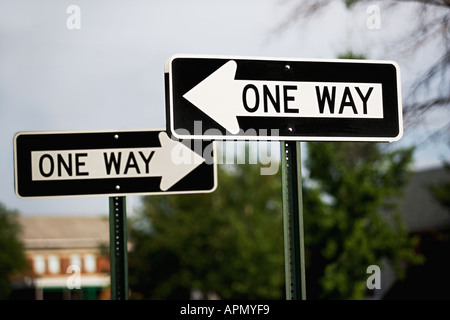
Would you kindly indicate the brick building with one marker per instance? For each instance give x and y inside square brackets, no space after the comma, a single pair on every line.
[66,258]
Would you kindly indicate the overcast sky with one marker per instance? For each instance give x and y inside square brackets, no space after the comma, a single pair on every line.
[108,75]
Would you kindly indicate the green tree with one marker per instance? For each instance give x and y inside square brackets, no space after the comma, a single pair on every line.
[228,242]
[12,254]
[349,221]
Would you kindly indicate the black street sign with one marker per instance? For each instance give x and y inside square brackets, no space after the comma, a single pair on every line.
[244,98]
[111,163]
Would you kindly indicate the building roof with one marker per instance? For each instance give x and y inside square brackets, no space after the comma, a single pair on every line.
[421,211]
[64,232]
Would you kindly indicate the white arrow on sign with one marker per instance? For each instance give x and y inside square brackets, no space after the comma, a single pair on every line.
[223,98]
[168,162]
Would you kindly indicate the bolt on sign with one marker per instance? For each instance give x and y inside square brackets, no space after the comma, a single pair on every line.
[248,98]
[112,163]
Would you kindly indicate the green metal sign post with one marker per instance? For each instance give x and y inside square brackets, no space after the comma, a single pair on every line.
[118,248]
[294,256]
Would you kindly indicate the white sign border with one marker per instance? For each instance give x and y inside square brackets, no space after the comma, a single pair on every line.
[107,194]
[168,70]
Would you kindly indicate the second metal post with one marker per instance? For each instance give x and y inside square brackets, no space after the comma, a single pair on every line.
[118,248]
[293,220]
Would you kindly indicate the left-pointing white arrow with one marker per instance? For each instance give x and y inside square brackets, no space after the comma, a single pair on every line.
[224,98]
[218,96]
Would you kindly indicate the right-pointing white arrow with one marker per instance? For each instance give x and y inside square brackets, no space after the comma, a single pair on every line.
[172,162]
[170,169]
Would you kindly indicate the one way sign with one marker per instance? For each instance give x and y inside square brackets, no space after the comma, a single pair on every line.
[113,163]
[242,98]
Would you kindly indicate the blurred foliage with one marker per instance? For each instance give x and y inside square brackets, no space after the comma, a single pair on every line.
[350,3]
[350,222]
[351,55]
[12,253]
[228,242]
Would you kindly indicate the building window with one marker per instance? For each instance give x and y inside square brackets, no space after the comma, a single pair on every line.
[90,264]
[39,264]
[75,259]
[53,264]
